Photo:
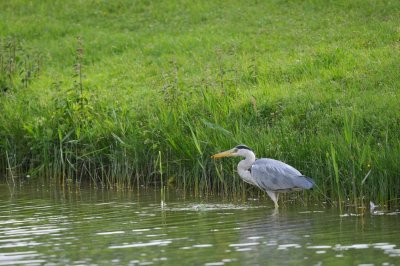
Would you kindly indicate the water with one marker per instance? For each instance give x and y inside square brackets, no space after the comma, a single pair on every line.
[52,226]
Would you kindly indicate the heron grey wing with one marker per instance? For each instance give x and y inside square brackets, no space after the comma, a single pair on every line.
[274,175]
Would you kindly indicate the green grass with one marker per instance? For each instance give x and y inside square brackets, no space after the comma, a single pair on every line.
[153,88]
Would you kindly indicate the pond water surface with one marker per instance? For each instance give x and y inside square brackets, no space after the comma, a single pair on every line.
[53,226]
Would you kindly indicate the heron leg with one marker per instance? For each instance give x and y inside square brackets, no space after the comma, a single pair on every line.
[277,198]
[274,197]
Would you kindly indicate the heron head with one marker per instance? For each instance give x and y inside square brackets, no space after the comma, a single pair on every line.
[239,150]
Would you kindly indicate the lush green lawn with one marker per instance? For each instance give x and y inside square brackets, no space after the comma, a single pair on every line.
[161,85]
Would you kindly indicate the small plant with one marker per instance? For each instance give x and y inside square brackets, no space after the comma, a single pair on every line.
[18,66]
[170,88]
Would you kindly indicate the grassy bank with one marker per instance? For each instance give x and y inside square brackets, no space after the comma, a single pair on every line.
[140,92]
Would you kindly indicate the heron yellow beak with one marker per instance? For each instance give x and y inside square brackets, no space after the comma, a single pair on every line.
[224,154]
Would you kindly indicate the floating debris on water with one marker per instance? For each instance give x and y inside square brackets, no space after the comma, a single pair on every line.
[372,206]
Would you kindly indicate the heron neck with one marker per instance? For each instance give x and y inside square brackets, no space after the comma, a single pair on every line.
[244,168]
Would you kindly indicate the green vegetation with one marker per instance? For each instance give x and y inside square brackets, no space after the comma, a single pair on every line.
[138,92]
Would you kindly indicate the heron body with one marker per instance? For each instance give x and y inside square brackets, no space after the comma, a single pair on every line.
[270,175]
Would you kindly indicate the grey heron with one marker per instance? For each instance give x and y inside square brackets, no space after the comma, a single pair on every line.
[270,175]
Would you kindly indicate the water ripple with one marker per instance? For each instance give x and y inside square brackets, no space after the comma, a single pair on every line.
[141,244]
[106,228]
